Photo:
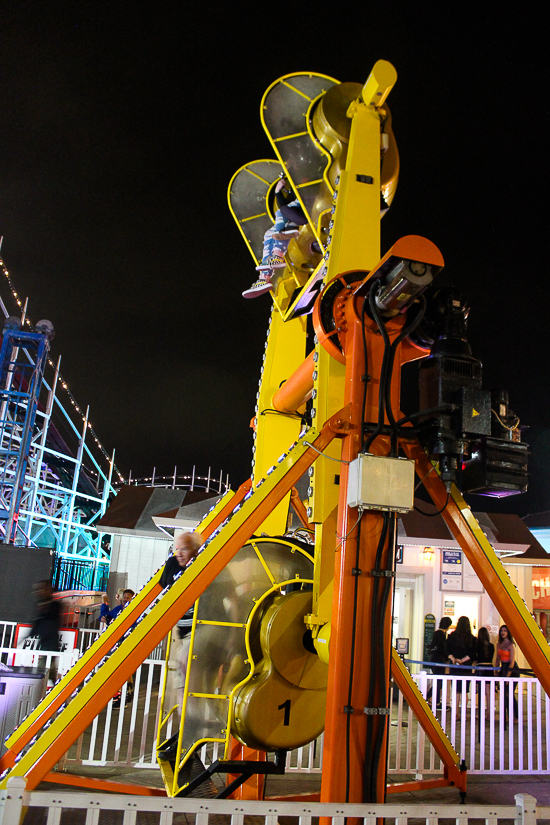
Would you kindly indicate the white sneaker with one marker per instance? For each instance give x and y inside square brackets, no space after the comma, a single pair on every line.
[291,230]
[258,288]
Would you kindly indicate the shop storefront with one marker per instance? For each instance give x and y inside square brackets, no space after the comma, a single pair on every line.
[434,578]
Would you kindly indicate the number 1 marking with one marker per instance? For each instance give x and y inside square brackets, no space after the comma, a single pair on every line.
[286,707]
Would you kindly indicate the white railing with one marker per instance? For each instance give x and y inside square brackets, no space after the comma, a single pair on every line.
[496,725]
[7,633]
[198,811]
[23,657]
[124,733]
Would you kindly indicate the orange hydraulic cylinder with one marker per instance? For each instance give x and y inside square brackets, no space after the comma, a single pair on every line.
[297,389]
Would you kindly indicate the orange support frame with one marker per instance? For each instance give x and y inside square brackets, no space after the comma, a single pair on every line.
[345,777]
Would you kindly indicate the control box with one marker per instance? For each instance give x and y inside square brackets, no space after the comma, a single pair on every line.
[381,483]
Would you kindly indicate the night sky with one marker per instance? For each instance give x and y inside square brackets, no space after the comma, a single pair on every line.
[120,130]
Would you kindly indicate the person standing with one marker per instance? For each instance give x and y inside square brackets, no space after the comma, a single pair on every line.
[461,648]
[104,612]
[437,653]
[127,596]
[506,660]
[485,654]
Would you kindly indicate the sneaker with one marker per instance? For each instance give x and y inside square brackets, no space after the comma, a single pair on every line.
[258,288]
[274,262]
[290,230]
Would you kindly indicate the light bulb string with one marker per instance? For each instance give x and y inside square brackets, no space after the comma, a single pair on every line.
[60,378]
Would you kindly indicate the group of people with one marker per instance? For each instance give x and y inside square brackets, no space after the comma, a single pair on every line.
[461,649]
[106,616]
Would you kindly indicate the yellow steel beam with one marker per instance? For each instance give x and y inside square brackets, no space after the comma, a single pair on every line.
[427,721]
[285,351]
[62,732]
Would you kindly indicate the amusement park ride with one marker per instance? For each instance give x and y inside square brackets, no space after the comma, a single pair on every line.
[292,637]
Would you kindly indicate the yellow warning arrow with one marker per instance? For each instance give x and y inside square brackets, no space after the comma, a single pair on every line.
[474,412]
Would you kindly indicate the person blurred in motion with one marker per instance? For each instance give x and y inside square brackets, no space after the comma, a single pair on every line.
[186,547]
[47,622]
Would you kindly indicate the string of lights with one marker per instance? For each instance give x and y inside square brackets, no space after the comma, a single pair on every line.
[61,380]
[181,481]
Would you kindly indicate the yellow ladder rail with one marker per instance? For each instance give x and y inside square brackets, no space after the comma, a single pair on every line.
[89,660]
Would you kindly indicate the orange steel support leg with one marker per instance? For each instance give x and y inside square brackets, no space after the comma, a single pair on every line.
[102,784]
[299,509]
[452,773]
[254,787]
[346,749]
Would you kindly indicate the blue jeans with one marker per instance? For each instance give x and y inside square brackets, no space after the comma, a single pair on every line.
[272,246]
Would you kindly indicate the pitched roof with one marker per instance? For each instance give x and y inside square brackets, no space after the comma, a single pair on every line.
[507,532]
[132,511]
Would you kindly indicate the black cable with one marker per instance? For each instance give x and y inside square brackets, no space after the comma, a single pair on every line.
[373,667]
[438,513]
[365,377]
[405,332]
[352,660]
[383,371]
[429,411]
[382,721]
[278,412]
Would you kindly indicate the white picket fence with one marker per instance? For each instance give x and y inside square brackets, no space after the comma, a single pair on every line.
[7,633]
[15,799]
[512,737]
[124,734]
[39,658]
[500,726]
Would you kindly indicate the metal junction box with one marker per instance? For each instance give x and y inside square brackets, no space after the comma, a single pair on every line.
[381,483]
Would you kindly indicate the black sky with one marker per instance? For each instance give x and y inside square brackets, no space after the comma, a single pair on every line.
[120,131]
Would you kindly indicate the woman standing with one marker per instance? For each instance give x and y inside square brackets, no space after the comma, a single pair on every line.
[484,656]
[506,660]
[437,653]
[461,647]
